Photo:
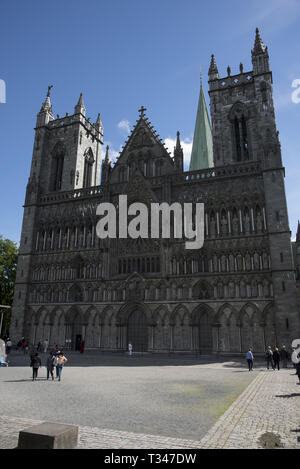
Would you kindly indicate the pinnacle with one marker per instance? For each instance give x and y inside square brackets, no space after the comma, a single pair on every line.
[213,69]
[46,106]
[259,47]
[80,108]
[80,101]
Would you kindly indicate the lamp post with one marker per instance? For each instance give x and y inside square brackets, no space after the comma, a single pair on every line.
[3,307]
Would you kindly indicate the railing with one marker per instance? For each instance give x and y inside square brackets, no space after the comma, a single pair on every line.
[217,172]
[222,171]
[72,195]
[232,80]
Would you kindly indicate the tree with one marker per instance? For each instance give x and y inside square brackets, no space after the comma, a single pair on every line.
[8,268]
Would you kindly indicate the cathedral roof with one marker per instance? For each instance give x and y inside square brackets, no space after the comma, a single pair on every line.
[143,135]
[202,150]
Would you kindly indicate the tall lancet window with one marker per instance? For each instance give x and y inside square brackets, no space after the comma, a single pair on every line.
[58,156]
[239,116]
[88,168]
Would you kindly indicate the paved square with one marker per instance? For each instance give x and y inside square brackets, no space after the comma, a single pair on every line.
[153,402]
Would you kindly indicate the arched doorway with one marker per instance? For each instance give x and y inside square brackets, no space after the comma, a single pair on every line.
[73,331]
[137,331]
[205,333]
[202,326]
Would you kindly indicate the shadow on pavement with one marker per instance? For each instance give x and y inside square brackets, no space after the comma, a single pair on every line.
[98,358]
[136,360]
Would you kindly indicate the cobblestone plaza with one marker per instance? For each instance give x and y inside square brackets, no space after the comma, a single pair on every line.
[197,403]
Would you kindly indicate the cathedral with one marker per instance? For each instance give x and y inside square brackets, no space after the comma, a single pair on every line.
[238,291]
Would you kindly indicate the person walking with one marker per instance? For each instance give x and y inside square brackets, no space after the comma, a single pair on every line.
[32,350]
[81,346]
[46,343]
[35,364]
[284,356]
[250,358]
[8,346]
[276,358]
[51,363]
[130,348]
[19,345]
[269,358]
[60,362]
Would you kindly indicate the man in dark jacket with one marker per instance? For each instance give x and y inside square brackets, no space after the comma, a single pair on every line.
[35,364]
[269,358]
[51,362]
[285,356]
[276,358]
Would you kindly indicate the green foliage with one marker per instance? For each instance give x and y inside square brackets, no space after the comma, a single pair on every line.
[8,267]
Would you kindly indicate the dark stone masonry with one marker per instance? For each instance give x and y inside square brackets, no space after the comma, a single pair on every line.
[238,291]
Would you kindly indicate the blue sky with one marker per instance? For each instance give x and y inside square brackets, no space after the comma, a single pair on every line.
[124,54]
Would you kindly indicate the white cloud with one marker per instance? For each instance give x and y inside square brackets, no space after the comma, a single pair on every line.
[186,145]
[124,125]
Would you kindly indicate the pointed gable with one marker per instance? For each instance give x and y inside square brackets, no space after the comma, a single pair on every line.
[143,150]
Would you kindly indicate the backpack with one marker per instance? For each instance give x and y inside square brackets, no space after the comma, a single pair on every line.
[54,360]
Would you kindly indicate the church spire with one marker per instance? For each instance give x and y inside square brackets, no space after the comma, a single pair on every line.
[202,150]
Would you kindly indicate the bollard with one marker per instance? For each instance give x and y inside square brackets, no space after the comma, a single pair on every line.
[49,435]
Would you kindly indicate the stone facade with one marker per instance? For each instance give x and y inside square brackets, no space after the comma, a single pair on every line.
[238,291]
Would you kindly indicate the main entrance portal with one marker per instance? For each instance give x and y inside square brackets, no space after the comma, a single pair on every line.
[137,331]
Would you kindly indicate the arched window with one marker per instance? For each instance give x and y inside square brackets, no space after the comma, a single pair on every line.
[158,167]
[58,155]
[122,174]
[238,116]
[88,168]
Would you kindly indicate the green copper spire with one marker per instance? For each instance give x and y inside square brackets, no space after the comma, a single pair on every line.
[202,151]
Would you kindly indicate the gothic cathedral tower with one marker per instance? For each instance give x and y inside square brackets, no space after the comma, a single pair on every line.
[244,131]
[66,157]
